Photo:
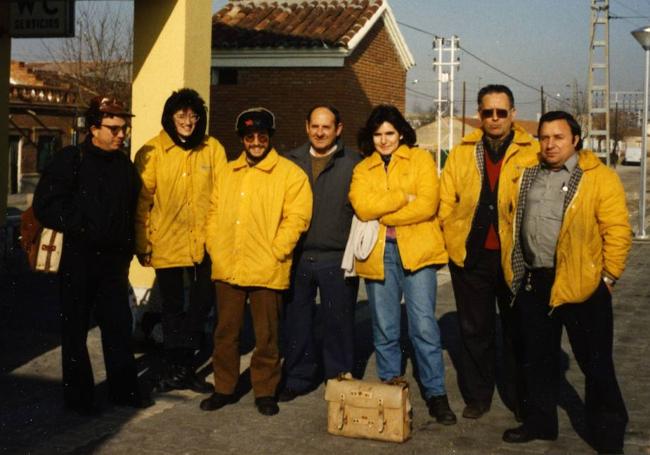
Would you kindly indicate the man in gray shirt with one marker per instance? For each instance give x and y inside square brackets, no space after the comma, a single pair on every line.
[571,239]
[543,215]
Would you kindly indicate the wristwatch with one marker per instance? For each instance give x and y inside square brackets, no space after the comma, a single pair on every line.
[608,281]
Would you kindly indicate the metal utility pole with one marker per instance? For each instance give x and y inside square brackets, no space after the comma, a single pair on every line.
[446,48]
[598,89]
[462,126]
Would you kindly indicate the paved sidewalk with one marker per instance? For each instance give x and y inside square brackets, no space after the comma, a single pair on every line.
[32,421]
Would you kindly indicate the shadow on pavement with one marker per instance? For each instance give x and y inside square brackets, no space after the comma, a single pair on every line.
[31,408]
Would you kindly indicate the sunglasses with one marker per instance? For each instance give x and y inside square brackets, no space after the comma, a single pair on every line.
[490,113]
[115,129]
[262,138]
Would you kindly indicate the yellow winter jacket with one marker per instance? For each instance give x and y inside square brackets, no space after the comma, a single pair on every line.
[174,200]
[379,195]
[461,182]
[256,217]
[595,236]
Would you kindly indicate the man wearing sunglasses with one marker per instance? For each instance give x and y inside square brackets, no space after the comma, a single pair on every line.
[89,193]
[260,205]
[479,176]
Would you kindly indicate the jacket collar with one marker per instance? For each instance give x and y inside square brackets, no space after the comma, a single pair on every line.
[302,153]
[588,160]
[521,136]
[168,143]
[266,165]
[403,151]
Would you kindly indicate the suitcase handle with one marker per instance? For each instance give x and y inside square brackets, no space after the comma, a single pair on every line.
[341,412]
[382,420]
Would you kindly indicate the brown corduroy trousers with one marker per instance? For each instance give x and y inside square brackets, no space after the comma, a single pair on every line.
[265,363]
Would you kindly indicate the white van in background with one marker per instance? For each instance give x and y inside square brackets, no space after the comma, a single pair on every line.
[632,156]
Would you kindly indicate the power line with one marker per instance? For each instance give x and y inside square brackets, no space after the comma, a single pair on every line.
[627,18]
[628,7]
[416,29]
[486,63]
[408,89]
[639,14]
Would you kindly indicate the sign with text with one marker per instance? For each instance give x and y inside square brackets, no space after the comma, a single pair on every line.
[41,18]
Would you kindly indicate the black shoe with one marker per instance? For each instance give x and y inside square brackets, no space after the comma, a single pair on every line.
[440,410]
[289,394]
[216,401]
[521,434]
[193,382]
[182,378]
[475,410]
[267,406]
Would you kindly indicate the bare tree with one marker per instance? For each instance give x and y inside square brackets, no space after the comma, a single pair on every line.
[98,59]
[623,123]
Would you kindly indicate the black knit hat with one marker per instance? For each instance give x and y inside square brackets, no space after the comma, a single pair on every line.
[255,119]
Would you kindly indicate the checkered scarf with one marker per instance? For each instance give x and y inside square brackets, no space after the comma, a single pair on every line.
[480,159]
[527,179]
[479,153]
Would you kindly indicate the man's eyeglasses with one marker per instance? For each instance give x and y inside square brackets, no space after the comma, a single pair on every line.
[115,129]
[490,113]
[262,138]
[184,117]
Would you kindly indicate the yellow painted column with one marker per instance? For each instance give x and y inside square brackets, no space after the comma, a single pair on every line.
[172,49]
[5,59]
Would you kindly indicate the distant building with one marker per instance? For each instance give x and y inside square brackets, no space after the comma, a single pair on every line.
[427,135]
[42,113]
[289,55]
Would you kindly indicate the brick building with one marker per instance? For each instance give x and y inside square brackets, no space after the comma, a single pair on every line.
[42,112]
[291,54]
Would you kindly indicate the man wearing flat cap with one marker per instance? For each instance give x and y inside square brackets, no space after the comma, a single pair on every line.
[89,193]
[260,205]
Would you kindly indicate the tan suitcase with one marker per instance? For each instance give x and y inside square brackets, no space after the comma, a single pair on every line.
[371,410]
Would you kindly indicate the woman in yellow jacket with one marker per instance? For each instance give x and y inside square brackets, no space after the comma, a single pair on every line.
[178,168]
[397,184]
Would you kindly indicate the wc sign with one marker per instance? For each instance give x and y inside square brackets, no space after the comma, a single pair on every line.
[41,18]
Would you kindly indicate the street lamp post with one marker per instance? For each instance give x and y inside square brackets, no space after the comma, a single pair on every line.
[642,35]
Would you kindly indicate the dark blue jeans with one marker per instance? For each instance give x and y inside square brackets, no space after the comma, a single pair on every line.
[338,296]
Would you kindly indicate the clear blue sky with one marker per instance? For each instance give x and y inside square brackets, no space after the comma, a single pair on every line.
[539,42]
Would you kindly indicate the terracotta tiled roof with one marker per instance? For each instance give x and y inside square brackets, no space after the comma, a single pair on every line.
[23,74]
[290,23]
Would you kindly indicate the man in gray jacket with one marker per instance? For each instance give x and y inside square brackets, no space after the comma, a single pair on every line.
[317,262]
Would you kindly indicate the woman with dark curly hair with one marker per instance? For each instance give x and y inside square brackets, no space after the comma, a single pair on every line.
[178,168]
[397,184]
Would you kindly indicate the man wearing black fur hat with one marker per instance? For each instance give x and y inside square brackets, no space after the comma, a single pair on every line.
[178,168]
[260,206]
